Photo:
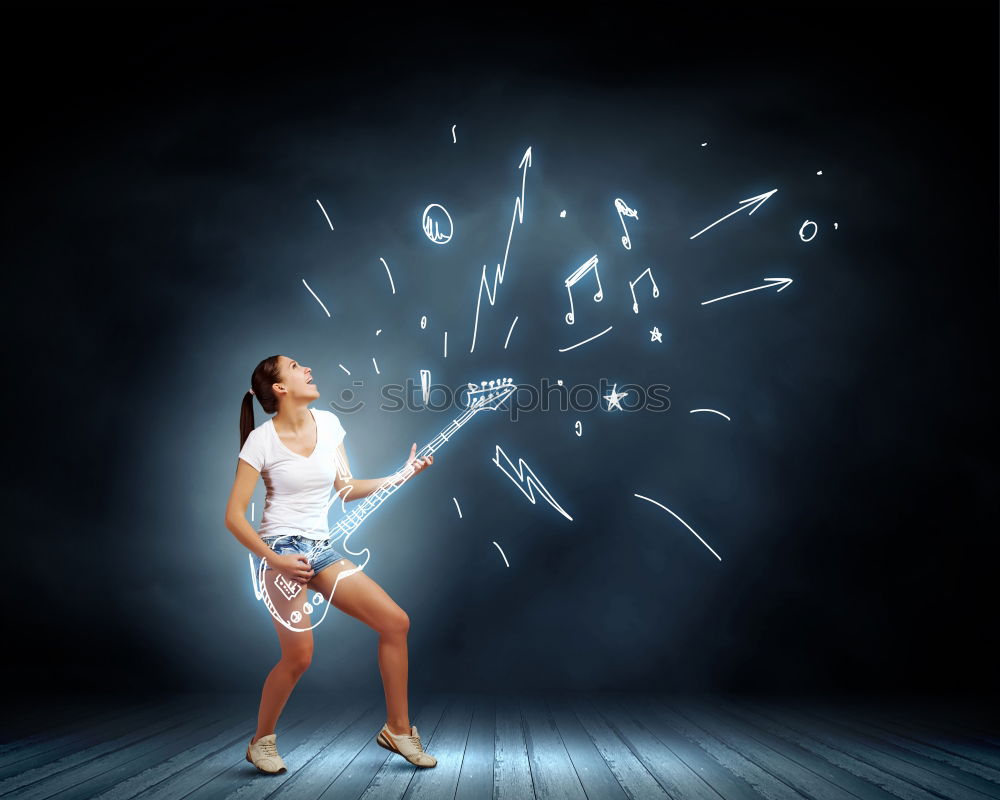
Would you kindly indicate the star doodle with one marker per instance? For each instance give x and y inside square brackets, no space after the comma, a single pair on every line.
[614,398]
[655,335]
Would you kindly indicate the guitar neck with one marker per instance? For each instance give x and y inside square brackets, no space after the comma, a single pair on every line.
[350,523]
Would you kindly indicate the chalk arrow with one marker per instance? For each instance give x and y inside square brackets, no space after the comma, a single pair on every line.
[525,163]
[502,268]
[781,283]
[753,203]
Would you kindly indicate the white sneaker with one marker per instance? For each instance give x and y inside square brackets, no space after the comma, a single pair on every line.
[407,745]
[263,754]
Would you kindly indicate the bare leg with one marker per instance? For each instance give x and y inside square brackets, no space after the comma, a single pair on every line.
[362,598]
[392,664]
[296,655]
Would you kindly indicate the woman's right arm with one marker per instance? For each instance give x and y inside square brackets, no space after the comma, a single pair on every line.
[293,567]
[236,510]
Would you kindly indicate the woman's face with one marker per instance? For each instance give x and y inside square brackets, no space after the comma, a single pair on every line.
[297,379]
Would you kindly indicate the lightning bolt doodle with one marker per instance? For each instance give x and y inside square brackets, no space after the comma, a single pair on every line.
[532,482]
[501,268]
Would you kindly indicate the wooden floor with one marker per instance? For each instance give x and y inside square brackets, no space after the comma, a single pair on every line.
[596,746]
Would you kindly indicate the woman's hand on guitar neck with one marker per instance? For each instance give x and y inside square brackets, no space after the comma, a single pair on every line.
[418,464]
[294,567]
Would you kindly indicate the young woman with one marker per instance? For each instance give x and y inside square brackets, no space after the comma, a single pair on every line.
[301,455]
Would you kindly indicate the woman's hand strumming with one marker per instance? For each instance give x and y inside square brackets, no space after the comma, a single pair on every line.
[294,567]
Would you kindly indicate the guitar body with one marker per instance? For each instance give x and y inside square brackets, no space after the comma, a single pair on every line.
[294,604]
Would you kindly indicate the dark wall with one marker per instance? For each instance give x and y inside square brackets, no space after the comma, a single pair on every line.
[161,189]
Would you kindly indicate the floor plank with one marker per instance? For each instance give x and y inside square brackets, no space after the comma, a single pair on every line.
[25,726]
[743,766]
[199,749]
[973,720]
[511,769]
[949,739]
[671,772]
[41,749]
[553,775]
[41,770]
[892,774]
[532,746]
[926,745]
[475,780]
[593,769]
[724,781]
[819,783]
[884,741]
[112,769]
[764,716]
[748,725]
[217,768]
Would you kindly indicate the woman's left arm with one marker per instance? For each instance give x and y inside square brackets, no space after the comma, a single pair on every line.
[356,488]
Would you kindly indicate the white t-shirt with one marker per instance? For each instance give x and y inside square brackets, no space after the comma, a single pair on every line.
[298,487]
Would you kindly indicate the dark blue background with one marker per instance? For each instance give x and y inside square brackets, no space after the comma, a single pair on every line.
[161,215]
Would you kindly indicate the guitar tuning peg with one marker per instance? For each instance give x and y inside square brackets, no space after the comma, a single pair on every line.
[483,383]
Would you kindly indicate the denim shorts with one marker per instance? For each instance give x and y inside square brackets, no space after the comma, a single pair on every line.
[319,552]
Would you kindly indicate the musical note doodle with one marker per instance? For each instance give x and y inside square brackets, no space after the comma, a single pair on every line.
[576,277]
[631,286]
[624,211]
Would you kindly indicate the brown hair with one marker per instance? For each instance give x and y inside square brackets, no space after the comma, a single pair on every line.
[264,376]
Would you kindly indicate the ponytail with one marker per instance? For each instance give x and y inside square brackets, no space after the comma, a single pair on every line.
[264,376]
[246,418]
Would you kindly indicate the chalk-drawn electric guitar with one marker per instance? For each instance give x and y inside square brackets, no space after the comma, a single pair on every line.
[488,396]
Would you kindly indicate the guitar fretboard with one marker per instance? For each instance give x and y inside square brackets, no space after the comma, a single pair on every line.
[350,523]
